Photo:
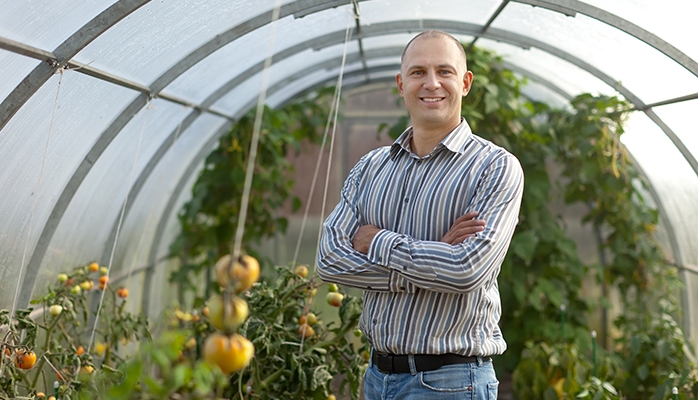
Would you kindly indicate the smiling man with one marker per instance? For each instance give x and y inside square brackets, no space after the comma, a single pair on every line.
[410,231]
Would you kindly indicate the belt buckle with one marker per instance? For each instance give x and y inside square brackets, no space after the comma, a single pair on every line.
[384,362]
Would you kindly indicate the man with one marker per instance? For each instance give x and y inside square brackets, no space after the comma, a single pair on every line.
[405,231]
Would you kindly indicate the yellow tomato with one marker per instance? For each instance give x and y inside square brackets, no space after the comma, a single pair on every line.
[93,267]
[230,353]
[334,299]
[302,271]
[243,273]
[237,313]
[306,331]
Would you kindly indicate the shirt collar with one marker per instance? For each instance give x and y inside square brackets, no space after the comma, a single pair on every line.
[454,141]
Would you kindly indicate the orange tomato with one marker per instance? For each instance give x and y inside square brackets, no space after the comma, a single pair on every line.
[80,350]
[103,280]
[122,292]
[230,353]
[25,359]
[93,267]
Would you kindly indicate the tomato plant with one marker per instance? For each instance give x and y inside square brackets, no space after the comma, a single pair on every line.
[47,343]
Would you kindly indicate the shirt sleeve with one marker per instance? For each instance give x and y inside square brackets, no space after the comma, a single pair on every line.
[467,266]
[338,261]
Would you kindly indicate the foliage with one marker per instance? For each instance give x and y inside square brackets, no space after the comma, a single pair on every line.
[285,365]
[559,371]
[542,270]
[209,219]
[62,341]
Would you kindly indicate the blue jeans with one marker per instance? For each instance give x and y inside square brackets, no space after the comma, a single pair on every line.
[473,381]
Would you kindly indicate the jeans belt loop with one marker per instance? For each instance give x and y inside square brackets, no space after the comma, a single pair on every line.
[413,367]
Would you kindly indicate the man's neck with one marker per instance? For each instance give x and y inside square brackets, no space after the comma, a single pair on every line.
[425,139]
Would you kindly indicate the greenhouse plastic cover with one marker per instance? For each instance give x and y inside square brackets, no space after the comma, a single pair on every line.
[109,108]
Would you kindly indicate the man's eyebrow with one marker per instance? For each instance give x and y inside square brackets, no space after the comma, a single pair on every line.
[419,66]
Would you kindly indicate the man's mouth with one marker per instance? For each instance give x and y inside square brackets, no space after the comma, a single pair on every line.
[431,99]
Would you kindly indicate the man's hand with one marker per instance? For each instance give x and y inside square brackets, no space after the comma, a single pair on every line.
[363,237]
[464,227]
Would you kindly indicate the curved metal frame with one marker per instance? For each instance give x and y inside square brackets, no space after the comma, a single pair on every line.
[121,9]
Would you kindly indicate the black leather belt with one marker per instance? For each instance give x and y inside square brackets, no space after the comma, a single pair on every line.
[393,364]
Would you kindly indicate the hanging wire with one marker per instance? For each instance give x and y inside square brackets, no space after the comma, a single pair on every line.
[315,175]
[36,193]
[334,132]
[121,219]
[334,112]
[247,186]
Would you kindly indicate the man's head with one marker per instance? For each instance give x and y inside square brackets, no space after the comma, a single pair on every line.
[433,80]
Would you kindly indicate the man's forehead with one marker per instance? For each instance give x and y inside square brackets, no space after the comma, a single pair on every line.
[412,57]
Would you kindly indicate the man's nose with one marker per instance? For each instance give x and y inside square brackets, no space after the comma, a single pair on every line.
[432,81]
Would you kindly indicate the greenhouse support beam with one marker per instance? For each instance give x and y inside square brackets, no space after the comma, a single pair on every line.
[63,54]
[693,96]
[26,50]
[620,23]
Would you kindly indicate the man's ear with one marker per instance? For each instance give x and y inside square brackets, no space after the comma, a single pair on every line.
[467,82]
[398,80]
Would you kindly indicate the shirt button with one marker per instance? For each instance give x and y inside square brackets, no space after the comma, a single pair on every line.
[407,200]
[375,320]
[402,288]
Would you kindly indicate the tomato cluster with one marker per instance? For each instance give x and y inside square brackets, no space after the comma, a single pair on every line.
[228,350]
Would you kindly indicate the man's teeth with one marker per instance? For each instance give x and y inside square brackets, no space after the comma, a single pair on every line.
[431,99]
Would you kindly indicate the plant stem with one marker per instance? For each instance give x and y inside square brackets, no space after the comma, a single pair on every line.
[271,378]
[42,361]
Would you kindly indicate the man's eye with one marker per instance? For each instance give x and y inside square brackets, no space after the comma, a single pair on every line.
[417,73]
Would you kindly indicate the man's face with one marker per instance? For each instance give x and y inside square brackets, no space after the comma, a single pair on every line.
[433,81]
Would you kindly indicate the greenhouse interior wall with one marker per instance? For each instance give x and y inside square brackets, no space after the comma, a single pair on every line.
[109,108]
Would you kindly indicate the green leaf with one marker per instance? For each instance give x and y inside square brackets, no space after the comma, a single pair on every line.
[643,372]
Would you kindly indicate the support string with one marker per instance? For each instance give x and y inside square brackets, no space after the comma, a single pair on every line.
[36,193]
[333,115]
[121,219]
[255,135]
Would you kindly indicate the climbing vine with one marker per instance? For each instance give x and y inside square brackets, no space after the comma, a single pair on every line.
[545,311]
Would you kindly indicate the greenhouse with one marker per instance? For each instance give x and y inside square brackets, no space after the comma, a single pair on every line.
[167,166]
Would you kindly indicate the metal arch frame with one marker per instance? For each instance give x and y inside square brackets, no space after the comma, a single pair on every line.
[60,57]
[569,7]
[72,46]
[401,26]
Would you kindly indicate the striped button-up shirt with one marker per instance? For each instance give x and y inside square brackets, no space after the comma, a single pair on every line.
[421,295]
